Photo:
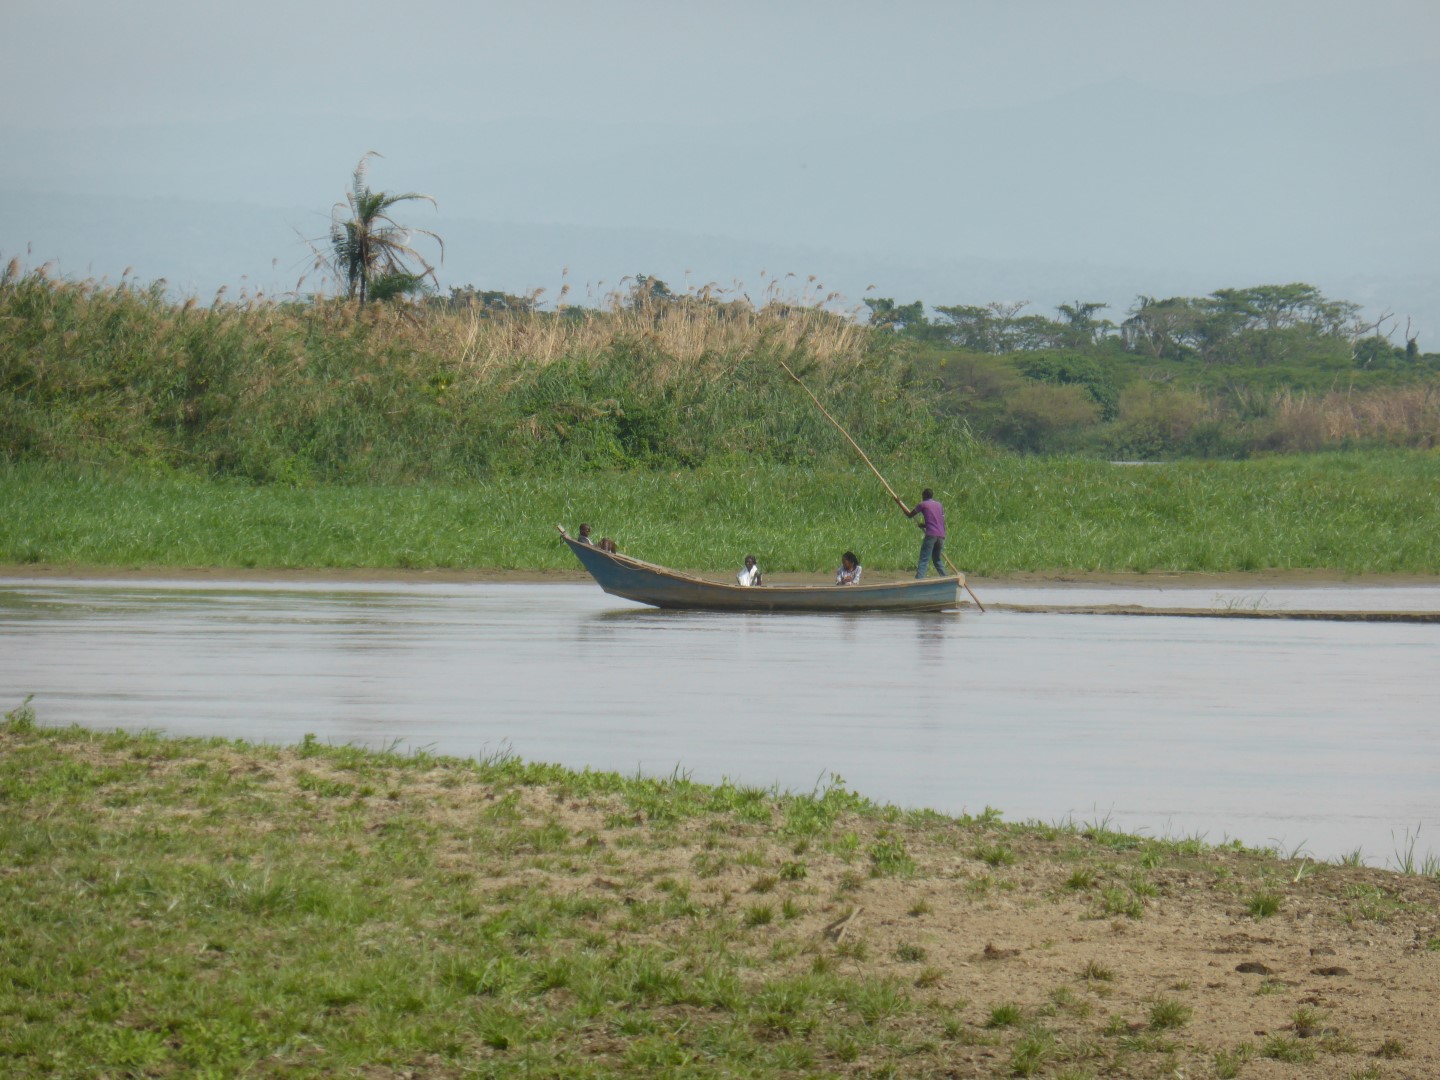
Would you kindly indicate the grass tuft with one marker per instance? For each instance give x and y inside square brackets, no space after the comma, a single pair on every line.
[1007,1014]
[1390,1049]
[1228,1063]
[1264,903]
[1096,972]
[1286,1049]
[888,857]
[996,855]
[1169,1013]
[759,915]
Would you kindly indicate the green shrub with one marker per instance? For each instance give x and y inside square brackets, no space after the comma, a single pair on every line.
[1041,417]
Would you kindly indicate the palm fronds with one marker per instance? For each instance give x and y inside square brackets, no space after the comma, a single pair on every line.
[370,248]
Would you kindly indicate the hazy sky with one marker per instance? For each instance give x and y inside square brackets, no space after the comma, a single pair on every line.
[1141,146]
[82,62]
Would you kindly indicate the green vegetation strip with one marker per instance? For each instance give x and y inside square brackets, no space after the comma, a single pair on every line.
[314,391]
[206,907]
[1352,513]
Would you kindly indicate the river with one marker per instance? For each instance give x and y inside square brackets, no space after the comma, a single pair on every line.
[1320,737]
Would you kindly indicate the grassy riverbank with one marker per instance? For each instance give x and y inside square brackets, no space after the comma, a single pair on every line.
[1349,513]
[203,907]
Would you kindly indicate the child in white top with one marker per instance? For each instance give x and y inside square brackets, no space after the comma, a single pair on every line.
[751,574]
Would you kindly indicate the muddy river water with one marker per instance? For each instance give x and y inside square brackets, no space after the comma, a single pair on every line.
[1320,736]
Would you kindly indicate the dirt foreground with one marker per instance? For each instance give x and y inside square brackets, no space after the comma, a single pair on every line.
[727,932]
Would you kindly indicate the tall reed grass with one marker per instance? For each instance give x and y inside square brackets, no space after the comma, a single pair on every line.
[688,332]
[94,373]
[1395,416]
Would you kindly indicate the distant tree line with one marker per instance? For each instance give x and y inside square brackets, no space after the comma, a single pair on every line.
[1255,326]
[641,294]
[1258,326]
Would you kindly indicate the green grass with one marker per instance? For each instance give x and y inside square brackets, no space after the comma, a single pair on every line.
[1169,1013]
[1390,1049]
[1228,1063]
[888,856]
[1006,1014]
[1370,512]
[1308,1021]
[995,855]
[1370,903]
[760,915]
[1284,1048]
[1097,972]
[1032,1053]
[196,907]
[178,908]
[1264,903]
[1117,901]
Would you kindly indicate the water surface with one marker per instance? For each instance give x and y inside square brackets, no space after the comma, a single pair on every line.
[1314,735]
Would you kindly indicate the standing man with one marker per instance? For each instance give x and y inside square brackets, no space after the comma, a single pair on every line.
[934,526]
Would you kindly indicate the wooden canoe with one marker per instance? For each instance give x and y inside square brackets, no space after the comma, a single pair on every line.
[646,583]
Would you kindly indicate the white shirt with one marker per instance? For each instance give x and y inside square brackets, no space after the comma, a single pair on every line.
[749,575]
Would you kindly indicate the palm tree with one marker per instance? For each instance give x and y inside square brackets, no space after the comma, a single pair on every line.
[371,252]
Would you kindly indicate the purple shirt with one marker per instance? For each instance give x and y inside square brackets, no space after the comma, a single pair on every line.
[934,515]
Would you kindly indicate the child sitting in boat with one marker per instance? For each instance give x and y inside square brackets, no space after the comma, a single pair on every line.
[849,572]
[751,574]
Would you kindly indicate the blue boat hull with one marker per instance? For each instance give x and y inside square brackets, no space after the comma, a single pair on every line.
[646,583]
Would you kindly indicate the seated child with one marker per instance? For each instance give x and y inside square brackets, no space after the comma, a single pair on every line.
[751,574]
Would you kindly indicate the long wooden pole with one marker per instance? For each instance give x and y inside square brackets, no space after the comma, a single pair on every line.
[865,458]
